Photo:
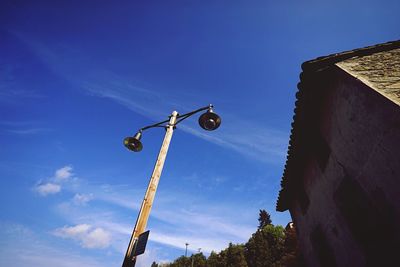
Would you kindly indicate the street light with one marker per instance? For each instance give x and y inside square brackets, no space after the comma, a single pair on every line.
[186,244]
[208,121]
[133,143]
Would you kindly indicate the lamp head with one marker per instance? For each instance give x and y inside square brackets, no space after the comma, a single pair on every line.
[209,121]
[133,143]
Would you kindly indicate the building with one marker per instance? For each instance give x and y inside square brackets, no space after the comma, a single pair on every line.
[341,181]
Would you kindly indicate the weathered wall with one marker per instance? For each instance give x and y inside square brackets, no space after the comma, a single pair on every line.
[353,211]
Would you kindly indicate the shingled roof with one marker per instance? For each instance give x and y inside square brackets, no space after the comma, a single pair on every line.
[385,79]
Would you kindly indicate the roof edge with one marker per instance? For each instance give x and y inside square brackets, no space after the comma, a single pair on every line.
[309,67]
[324,61]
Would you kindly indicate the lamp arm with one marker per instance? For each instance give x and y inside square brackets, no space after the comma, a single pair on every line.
[187,115]
[179,118]
[158,124]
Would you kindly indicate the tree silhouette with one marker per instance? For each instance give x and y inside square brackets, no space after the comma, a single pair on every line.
[235,256]
[264,219]
[265,246]
[216,260]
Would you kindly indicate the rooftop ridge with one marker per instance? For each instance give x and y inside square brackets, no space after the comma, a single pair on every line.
[309,67]
[324,61]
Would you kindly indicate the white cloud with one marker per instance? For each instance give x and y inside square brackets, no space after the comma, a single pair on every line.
[201,228]
[53,184]
[38,252]
[98,238]
[63,173]
[47,189]
[82,199]
[86,235]
[149,256]
[172,223]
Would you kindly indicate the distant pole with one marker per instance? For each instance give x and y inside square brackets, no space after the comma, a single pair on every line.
[147,203]
[186,244]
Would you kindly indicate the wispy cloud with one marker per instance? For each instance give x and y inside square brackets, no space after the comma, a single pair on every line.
[102,216]
[12,94]
[23,127]
[149,256]
[82,199]
[248,138]
[198,224]
[18,123]
[243,136]
[200,227]
[206,244]
[10,89]
[122,91]
[86,235]
[28,131]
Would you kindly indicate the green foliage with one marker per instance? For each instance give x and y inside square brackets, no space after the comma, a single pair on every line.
[216,259]
[291,256]
[235,256]
[265,246]
[198,260]
[270,245]
[154,264]
[182,261]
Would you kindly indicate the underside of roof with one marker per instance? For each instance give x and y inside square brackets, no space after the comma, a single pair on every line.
[310,70]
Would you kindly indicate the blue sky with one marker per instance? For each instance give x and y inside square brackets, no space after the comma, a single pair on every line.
[76,78]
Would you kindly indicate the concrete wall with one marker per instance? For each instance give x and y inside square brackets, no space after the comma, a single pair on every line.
[354,200]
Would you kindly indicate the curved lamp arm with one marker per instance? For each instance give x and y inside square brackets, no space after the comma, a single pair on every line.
[179,118]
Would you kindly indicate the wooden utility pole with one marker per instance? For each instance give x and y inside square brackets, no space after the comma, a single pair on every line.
[147,203]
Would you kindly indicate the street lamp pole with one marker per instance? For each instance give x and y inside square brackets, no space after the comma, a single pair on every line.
[208,121]
[148,199]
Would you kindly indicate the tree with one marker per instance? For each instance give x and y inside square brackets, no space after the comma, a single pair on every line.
[235,256]
[291,256]
[265,247]
[216,260]
[264,219]
[182,261]
[154,264]
[198,260]
[269,246]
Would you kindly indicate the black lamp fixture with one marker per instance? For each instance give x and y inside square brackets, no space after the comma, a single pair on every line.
[209,120]
[133,143]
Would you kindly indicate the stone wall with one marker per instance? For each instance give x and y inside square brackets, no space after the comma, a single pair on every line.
[350,212]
